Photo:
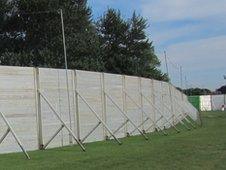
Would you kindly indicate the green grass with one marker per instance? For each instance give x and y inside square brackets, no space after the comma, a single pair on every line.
[201,148]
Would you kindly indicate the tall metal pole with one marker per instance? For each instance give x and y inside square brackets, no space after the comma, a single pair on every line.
[224,94]
[185,82]
[181,77]
[66,71]
[167,69]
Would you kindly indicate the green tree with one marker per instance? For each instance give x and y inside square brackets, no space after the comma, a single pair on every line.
[196,91]
[125,47]
[4,12]
[222,90]
[113,31]
[40,33]
[31,35]
[141,50]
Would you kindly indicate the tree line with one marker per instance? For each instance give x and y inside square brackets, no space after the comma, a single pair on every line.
[31,35]
[202,91]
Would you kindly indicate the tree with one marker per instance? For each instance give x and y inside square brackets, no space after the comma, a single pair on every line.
[39,33]
[31,35]
[141,49]
[197,91]
[4,11]
[112,31]
[222,90]
[125,46]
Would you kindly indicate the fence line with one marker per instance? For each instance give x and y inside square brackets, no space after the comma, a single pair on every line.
[103,106]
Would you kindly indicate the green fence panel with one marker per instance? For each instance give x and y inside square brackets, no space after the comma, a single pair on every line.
[195,101]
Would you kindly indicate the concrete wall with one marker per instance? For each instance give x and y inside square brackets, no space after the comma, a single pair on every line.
[218,101]
[205,103]
[19,102]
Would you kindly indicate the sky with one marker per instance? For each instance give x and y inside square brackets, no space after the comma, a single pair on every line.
[192,32]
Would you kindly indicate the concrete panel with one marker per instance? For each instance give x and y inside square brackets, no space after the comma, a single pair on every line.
[53,86]
[133,111]
[147,89]
[89,86]
[205,103]
[217,101]
[114,87]
[17,102]
[158,98]
[166,99]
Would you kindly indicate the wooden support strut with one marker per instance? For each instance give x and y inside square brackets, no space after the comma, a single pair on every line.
[186,115]
[157,109]
[10,129]
[91,131]
[63,123]
[125,115]
[144,112]
[120,127]
[179,120]
[154,124]
[98,117]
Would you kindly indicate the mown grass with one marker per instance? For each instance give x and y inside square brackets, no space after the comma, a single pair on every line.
[201,148]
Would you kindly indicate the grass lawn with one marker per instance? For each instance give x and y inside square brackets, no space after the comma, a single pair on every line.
[201,148]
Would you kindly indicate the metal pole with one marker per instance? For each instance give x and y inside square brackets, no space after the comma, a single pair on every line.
[181,78]
[186,82]
[167,69]
[66,71]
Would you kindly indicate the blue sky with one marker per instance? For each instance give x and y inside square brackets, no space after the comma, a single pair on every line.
[193,32]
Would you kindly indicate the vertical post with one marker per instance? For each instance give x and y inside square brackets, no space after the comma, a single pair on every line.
[38,108]
[224,99]
[185,82]
[103,102]
[153,100]
[162,101]
[181,81]
[73,101]
[59,105]
[141,102]
[66,72]
[77,105]
[171,101]
[124,105]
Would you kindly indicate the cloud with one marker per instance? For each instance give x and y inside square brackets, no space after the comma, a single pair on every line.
[204,54]
[168,34]
[193,32]
[203,60]
[166,10]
